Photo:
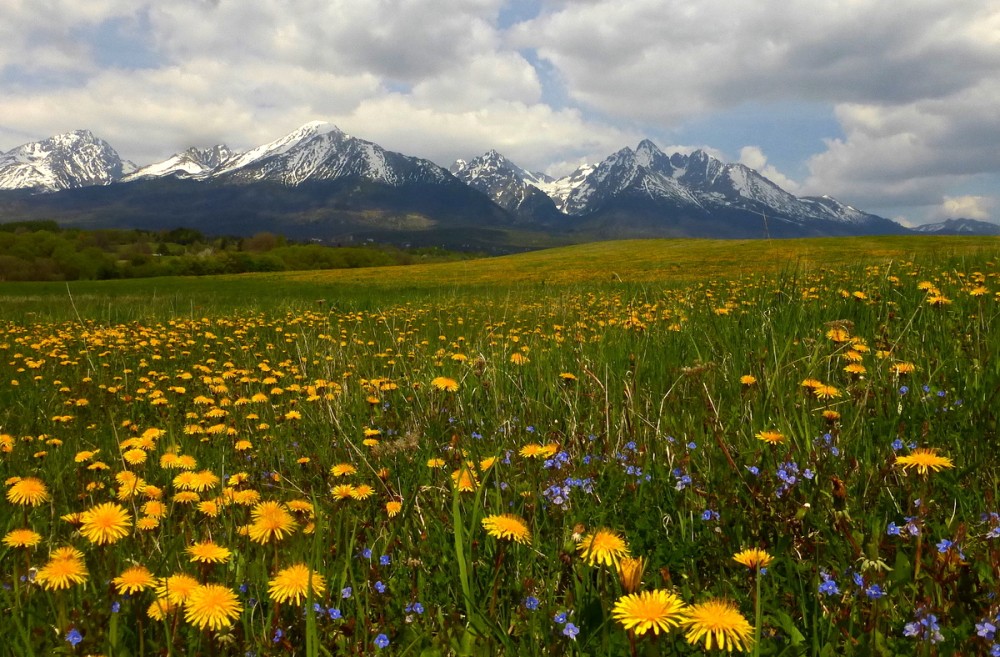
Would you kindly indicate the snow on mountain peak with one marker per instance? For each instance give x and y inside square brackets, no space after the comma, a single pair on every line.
[282,145]
[65,161]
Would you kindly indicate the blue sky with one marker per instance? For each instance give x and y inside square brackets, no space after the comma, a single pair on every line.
[892,111]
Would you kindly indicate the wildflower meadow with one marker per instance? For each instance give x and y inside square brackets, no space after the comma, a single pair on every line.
[767,455]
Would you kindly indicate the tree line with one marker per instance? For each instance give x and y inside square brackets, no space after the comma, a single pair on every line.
[44,251]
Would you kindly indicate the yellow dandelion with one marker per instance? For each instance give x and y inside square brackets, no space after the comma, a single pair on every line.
[105,523]
[508,527]
[838,335]
[362,492]
[630,572]
[64,569]
[444,384]
[721,625]
[393,507]
[186,497]
[135,456]
[212,606]
[464,480]
[147,523]
[657,610]
[604,546]
[271,521]
[208,552]
[160,609]
[902,368]
[748,379]
[536,451]
[435,463]
[924,459]
[753,558]
[831,416]
[29,491]
[176,588]
[342,491]
[22,538]
[293,584]
[134,579]
[826,392]
[343,470]
[772,436]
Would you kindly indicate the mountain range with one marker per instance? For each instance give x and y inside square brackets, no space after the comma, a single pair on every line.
[319,183]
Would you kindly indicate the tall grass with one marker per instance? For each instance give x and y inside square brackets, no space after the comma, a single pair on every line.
[653,398]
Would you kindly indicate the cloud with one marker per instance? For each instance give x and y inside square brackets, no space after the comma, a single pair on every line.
[753,157]
[667,60]
[910,154]
[966,207]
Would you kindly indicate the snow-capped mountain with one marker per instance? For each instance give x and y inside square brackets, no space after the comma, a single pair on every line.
[960,226]
[192,163]
[67,161]
[333,184]
[320,151]
[514,189]
[560,189]
[694,185]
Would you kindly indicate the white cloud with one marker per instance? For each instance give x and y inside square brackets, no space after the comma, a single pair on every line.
[913,153]
[666,60]
[966,207]
[753,157]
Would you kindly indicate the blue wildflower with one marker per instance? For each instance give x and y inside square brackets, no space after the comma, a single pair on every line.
[382,641]
[74,637]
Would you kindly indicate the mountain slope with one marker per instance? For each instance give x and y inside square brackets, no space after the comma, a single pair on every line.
[509,186]
[67,161]
[960,227]
[192,163]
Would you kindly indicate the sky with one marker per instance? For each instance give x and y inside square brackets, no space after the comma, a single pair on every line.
[893,108]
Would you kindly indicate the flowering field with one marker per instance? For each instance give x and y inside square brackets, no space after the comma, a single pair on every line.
[799,462]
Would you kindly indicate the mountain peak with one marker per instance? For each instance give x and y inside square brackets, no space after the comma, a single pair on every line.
[65,161]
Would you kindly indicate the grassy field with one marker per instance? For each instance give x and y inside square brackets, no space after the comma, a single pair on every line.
[648,447]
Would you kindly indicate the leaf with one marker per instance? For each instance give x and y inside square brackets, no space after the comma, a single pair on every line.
[787,625]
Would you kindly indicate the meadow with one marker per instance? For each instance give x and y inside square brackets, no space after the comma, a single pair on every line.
[658,447]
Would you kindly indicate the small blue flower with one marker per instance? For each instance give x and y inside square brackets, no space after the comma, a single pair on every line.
[366,553]
[692,445]
[74,637]
[417,608]
[892,530]
[116,607]
[560,617]
[278,633]
[531,603]
[897,444]
[828,585]
[380,587]
[944,545]
[571,630]
[346,592]
[382,641]
[874,592]
[385,560]
[753,469]
[334,613]
[903,390]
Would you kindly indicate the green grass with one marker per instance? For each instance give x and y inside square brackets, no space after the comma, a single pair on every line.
[654,437]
